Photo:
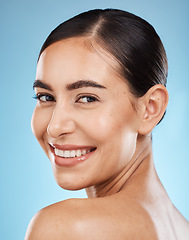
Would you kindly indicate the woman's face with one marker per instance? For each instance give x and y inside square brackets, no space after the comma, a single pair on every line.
[84,118]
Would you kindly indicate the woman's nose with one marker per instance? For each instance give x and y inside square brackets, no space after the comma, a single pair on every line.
[61,123]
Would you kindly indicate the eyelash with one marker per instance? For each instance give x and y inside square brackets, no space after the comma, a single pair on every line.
[89,98]
[39,96]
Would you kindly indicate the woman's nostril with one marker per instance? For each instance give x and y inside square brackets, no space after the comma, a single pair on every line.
[61,127]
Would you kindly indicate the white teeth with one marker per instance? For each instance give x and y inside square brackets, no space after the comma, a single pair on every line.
[66,154]
[70,154]
[59,152]
[56,151]
[84,152]
[78,153]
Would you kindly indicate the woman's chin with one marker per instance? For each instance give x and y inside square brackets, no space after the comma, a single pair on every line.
[70,184]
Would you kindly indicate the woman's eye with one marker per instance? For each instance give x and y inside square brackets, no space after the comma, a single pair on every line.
[87,99]
[44,98]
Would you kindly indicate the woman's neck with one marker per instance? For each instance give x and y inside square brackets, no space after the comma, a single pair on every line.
[138,164]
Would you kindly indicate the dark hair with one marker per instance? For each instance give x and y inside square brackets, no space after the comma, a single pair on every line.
[131,40]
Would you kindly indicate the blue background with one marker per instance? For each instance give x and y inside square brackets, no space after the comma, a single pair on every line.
[26,178]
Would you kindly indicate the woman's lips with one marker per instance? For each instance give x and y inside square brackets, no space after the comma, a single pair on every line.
[70,155]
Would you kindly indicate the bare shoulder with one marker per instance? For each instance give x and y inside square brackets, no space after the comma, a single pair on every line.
[180,225]
[55,221]
[90,219]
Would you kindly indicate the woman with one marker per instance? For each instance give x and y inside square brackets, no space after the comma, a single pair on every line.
[101,89]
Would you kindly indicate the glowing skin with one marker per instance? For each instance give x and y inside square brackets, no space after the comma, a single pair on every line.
[97,137]
[105,121]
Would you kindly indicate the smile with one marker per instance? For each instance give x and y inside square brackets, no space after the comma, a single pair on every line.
[71,153]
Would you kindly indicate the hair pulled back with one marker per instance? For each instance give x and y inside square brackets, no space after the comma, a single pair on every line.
[131,40]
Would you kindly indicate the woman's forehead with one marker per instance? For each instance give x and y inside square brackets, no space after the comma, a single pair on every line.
[84,47]
[77,58]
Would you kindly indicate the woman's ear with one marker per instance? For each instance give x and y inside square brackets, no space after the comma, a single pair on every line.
[153,106]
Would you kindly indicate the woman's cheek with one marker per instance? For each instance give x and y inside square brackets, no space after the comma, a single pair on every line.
[39,123]
[107,121]
[102,125]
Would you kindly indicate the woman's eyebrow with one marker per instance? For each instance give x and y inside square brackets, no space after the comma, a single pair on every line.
[71,86]
[83,83]
[40,84]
